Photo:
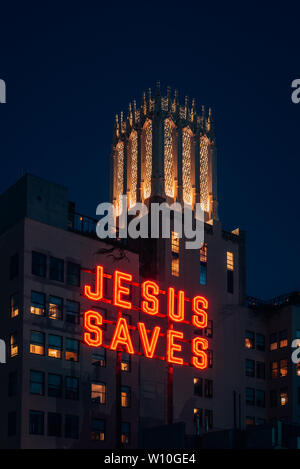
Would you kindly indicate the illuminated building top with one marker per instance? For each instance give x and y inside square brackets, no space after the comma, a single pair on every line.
[163,149]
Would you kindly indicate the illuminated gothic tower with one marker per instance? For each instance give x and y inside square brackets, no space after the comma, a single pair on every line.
[165,150]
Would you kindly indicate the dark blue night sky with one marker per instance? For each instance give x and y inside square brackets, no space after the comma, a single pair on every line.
[70,68]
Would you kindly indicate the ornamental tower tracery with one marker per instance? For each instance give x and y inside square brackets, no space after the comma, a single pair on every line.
[165,150]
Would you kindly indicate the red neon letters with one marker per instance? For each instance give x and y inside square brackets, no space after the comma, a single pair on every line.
[123,339]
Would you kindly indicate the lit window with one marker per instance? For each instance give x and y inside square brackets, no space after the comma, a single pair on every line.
[175,242]
[230,264]
[99,358]
[37,382]
[283,369]
[37,343]
[14,347]
[126,362]
[249,340]
[14,305]
[98,393]
[198,386]
[274,369]
[273,341]
[208,331]
[98,430]
[39,264]
[197,420]
[55,307]
[37,303]
[55,384]
[125,433]
[283,397]
[203,264]
[54,346]
[210,358]
[250,368]
[72,350]
[72,388]
[125,396]
[283,342]
[175,266]
[298,369]
[56,269]
[72,312]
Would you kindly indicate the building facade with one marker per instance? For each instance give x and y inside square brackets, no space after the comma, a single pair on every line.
[58,392]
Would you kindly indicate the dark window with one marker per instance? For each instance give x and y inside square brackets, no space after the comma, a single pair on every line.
[37,343]
[260,370]
[250,367]
[12,384]
[72,350]
[71,426]
[126,362]
[298,396]
[14,305]
[36,422]
[260,421]
[197,421]
[72,388]
[273,398]
[98,429]
[99,358]
[208,388]
[37,382]
[72,312]
[14,266]
[208,331]
[203,273]
[210,358]
[198,386]
[250,396]
[249,340]
[54,424]
[39,264]
[55,307]
[208,419]
[250,421]
[73,274]
[11,423]
[260,398]
[125,433]
[229,281]
[283,341]
[125,396]
[55,345]
[54,385]
[260,342]
[273,341]
[56,269]
[38,303]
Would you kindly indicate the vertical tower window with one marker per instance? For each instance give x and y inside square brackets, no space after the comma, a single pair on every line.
[148,160]
[133,168]
[119,174]
[204,201]
[14,305]
[168,158]
[125,396]
[197,420]
[175,254]
[203,264]
[186,166]
[230,267]
[125,433]
[14,347]
[126,362]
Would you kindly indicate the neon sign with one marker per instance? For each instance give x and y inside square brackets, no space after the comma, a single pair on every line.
[150,305]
